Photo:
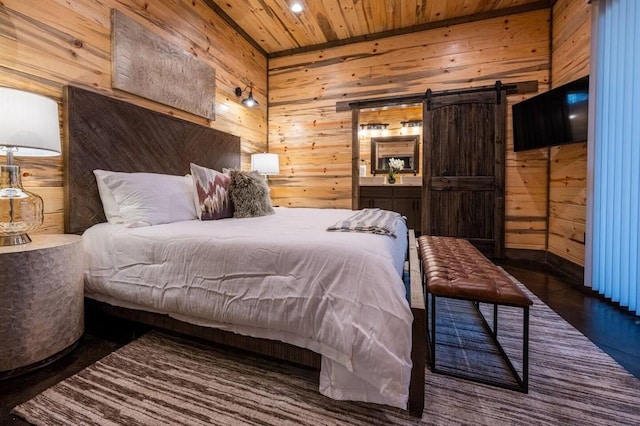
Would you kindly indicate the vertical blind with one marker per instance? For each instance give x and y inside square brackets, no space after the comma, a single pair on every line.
[615,272]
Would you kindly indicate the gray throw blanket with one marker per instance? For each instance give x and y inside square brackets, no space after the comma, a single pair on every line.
[373,221]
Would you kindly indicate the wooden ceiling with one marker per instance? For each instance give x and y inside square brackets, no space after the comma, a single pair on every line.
[277,31]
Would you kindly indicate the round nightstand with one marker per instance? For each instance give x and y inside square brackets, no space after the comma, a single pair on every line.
[41,301]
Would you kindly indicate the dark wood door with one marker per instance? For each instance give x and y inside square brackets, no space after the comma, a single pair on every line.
[463,177]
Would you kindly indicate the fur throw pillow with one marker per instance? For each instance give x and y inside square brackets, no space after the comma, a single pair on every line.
[249,194]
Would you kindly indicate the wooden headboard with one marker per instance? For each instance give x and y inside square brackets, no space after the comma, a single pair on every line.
[110,134]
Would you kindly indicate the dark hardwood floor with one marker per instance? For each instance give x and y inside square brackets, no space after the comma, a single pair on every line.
[614,330]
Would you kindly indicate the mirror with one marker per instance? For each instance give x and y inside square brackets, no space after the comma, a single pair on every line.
[398,123]
[405,148]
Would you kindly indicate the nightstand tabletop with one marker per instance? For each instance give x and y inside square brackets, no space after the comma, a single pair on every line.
[42,241]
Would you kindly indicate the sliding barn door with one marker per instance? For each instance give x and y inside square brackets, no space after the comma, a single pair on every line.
[463,179]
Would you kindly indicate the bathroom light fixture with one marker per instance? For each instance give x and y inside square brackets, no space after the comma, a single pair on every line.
[411,123]
[249,101]
[374,126]
[296,7]
[410,127]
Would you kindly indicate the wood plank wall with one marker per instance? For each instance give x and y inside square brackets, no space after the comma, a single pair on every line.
[314,141]
[45,45]
[568,163]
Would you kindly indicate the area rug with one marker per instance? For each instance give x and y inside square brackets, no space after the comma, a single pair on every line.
[161,379]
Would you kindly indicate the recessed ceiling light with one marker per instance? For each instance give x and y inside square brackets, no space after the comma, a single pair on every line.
[296,7]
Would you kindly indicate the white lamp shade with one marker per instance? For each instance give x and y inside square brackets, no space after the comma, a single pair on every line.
[265,164]
[28,122]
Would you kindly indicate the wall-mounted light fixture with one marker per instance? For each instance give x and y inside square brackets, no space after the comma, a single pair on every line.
[249,101]
[410,127]
[374,126]
[411,123]
[373,129]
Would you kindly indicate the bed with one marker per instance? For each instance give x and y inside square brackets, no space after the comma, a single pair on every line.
[109,134]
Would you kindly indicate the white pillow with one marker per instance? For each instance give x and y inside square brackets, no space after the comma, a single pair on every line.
[145,199]
[109,205]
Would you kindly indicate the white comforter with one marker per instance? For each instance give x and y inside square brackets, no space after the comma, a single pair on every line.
[280,277]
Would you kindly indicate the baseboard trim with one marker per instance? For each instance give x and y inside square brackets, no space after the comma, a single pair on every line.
[535,256]
[573,272]
[567,270]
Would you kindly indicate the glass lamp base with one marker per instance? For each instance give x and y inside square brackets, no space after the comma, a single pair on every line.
[21,211]
[13,240]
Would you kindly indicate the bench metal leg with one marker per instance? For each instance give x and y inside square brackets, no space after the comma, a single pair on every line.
[522,381]
[525,349]
[433,333]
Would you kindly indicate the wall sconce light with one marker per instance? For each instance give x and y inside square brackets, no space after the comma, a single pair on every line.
[29,127]
[249,101]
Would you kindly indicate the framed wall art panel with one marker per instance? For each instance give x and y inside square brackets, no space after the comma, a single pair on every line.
[146,65]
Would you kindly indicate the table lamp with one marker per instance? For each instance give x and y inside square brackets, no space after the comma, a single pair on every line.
[29,126]
[265,164]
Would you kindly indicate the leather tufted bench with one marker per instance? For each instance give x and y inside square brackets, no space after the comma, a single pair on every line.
[454,268]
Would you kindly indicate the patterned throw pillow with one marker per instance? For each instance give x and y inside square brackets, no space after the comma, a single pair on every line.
[250,194]
[211,193]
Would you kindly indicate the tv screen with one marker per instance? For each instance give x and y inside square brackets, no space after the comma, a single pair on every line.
[555,117]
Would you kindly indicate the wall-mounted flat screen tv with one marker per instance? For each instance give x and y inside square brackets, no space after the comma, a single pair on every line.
[555,117]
